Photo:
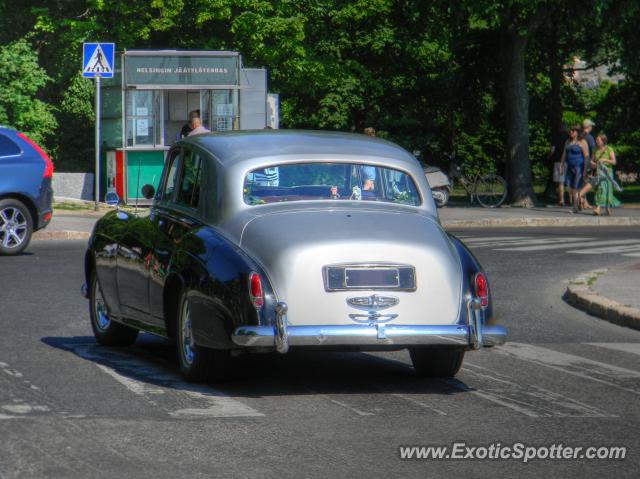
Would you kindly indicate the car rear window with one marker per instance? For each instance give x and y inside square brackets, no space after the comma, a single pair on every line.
[329,181]
[8,147]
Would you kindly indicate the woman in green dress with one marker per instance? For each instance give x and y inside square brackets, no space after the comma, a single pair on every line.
[603,181]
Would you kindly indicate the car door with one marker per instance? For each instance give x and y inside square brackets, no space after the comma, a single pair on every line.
[136,255]
[175,215]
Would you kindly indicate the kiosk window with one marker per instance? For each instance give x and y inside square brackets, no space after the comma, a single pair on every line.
[224,110]
[141,113]
[189,193]
[170,182]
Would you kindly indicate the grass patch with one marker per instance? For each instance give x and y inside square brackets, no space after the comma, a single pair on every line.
[71,206]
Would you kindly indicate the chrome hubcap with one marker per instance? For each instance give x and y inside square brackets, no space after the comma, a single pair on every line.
[187,335]
[13,227]
[99,308]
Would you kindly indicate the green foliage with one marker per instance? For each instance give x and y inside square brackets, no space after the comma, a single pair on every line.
[21,78]
[428,75]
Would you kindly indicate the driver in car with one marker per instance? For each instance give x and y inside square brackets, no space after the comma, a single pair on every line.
[368,182]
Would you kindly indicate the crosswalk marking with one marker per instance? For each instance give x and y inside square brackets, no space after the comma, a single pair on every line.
[529,399]
[531,242]
[564,245]
[633,348]
[609,249]
[481,239]
[610,375]
[583,245]
[151,381]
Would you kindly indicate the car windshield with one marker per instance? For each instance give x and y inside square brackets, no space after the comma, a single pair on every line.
[329,181]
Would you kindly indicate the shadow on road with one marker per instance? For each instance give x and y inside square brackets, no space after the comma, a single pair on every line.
[152,361]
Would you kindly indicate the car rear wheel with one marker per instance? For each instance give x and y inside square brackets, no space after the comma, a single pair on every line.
[106,331]
[197,363]
[16,227]
[437,362]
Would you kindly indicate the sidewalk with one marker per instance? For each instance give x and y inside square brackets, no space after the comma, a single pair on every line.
[611,294]
[505,216]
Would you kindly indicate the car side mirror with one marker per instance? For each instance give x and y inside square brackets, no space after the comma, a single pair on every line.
[148,191]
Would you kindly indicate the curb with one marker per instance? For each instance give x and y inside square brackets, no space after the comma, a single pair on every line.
[540,222]
[60,235]
[580,295]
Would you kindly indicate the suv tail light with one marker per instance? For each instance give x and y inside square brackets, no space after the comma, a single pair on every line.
[48,164]
[256,293]
[482,289]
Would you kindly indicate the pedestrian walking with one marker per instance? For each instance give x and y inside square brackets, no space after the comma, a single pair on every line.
[587,128]
[603,181]
[574,164]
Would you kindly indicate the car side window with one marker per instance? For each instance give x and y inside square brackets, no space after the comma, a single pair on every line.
[8,147]
[170,182]
[189,192]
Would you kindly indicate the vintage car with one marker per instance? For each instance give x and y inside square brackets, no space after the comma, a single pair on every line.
[263,241]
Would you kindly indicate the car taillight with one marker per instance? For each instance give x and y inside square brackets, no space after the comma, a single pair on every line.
[482,289]
[255,291]
[48,164]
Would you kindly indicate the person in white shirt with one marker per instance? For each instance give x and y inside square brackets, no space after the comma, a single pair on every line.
[196,127]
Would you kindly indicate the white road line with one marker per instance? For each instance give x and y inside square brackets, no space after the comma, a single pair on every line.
[564,246]
[4,367]
[536,401]
[610,375]
[490,397]
[633,255]
[419,403]
[343,404]
[150,381]
[633,348]
[570,241]
[483,239]
[608,249]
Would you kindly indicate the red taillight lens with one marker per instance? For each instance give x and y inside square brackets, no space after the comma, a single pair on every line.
[482,289]
[255,291]
[48,164]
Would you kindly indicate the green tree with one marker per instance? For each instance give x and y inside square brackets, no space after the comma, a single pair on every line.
[21,78]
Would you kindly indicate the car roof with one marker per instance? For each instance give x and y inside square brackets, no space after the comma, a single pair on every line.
[239,146]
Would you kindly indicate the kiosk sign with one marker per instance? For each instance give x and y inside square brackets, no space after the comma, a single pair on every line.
[97,60]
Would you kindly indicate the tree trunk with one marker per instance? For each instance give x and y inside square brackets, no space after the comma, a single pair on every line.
[556,76]
[516,97]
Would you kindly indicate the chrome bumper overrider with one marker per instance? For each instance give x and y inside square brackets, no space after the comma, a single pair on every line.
[284,335]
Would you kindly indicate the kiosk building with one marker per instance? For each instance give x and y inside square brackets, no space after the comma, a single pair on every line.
[147,103]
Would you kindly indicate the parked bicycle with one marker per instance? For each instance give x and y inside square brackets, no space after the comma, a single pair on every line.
[489,190]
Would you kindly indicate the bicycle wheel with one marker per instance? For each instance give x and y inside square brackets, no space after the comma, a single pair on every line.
[490,190]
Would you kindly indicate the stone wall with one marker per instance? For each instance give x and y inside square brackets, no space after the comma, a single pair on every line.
[77,186]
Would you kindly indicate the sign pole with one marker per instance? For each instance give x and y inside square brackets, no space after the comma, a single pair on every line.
[97,175]
[97,61]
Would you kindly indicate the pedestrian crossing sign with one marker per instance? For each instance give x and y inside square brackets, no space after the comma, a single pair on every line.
[97,60]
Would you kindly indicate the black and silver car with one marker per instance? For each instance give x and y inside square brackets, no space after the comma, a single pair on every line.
[276,240]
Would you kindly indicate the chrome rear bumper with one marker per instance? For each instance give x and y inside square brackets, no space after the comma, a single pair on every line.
[363,335]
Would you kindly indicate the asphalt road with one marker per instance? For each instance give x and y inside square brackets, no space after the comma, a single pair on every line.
[71,409]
